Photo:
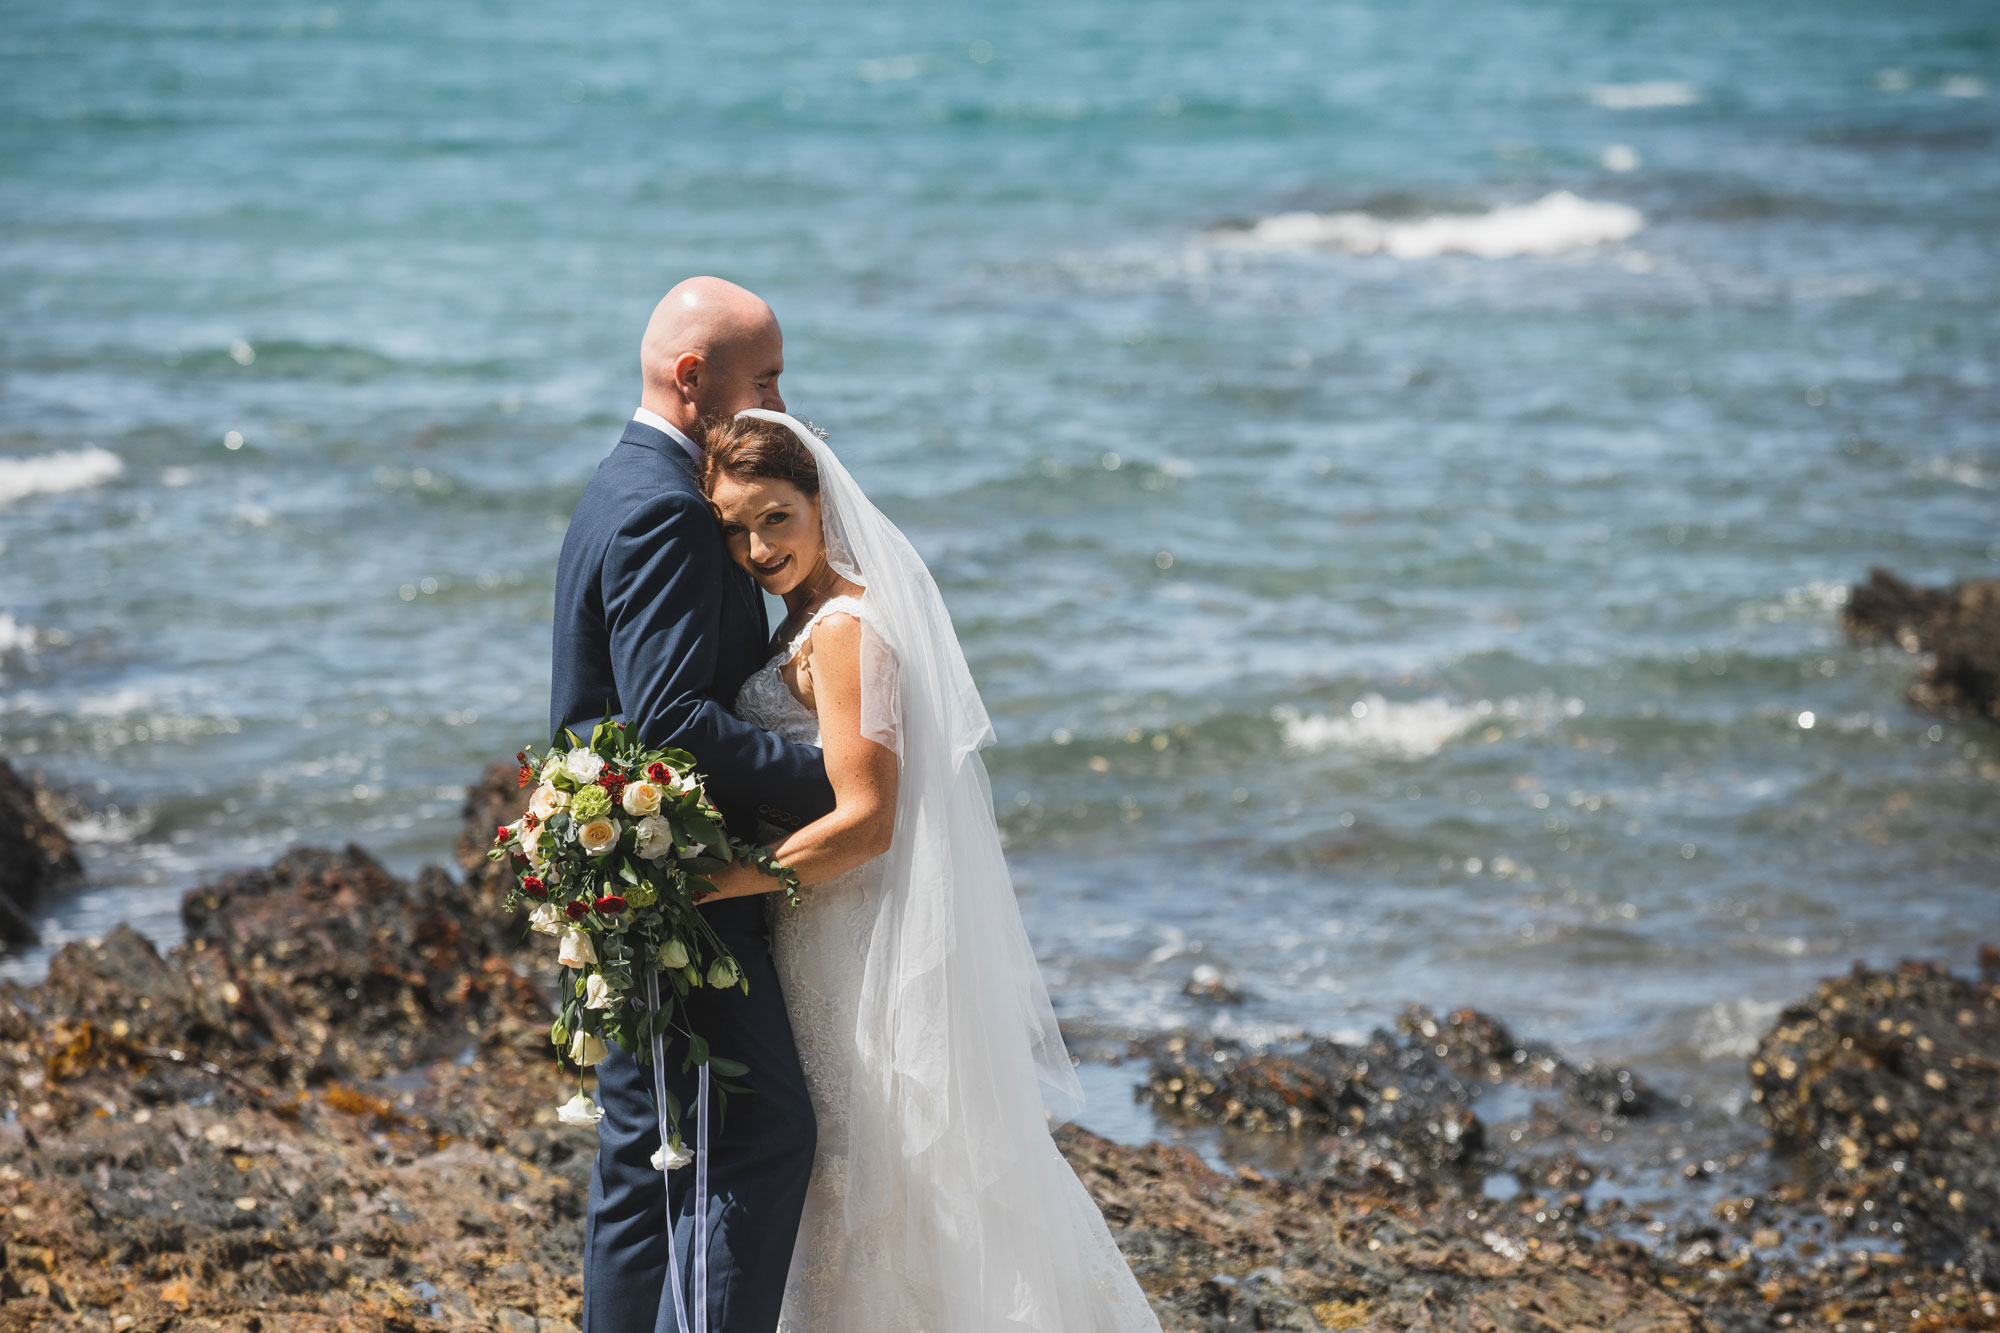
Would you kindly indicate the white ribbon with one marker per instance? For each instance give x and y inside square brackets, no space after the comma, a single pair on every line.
[700,1173]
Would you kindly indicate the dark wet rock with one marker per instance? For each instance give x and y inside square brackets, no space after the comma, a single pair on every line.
[36,857]
[1887,1085]
[1386,1107]
[1481,1049]
[321,965]
[1957,628]
[324,963]
[1403,1104]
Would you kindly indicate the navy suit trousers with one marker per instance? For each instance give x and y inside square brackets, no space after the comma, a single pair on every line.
[760,1159]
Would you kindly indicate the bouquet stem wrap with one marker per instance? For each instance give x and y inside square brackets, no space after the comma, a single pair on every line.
[700,1240]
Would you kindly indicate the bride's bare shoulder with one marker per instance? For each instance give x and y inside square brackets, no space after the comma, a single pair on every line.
[837,628]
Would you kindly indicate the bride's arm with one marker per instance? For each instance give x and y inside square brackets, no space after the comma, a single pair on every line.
[863,775]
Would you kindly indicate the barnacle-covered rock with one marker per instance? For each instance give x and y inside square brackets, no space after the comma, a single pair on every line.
[1887,1083]
[1387,1107]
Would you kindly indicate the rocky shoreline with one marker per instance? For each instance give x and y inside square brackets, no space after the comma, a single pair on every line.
[332,1107]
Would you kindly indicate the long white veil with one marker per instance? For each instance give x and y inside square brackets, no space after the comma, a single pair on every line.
[959,1069]
[954,949]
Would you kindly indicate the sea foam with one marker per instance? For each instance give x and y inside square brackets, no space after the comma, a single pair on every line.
[46,474]
[1551,225]
[1731,1029]
[1411,729]
[1643,96]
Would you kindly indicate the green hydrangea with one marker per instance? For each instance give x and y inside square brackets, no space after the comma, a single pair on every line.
[640,895]
[590,803]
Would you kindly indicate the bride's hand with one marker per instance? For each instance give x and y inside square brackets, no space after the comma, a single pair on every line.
[738,880]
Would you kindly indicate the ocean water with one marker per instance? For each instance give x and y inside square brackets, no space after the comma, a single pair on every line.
[1395,467]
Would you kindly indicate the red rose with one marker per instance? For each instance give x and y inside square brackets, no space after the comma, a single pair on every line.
[534,888]
[659,772]
[526,777]
[503,834]
[577,911]
[610,904]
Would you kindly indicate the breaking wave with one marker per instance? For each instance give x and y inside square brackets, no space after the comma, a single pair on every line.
[1551,225]
[48,474]
[1643,96]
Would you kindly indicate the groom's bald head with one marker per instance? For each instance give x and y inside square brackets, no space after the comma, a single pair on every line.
[711,349]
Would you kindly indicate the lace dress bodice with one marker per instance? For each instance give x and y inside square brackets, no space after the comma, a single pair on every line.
[766,700]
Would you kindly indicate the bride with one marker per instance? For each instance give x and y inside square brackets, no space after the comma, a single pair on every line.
[938,1202]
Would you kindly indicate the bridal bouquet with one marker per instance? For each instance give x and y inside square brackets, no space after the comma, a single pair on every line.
[610,858]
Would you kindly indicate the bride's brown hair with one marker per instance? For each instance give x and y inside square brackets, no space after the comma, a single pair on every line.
[750,447]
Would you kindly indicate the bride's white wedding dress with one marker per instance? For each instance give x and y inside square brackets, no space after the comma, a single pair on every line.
[974,1224]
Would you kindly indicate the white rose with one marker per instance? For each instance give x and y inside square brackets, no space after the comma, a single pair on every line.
[579,1110]
[656,837]
[586,1049]
[583,765]
[576,950]
[547,918]
[598,836]
[683,784]
[531,847]
[641,799]
[551,766]
[666,1160]
[596,991]
[548,800]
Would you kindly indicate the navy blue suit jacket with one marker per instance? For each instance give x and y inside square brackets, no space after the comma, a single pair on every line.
[656,624]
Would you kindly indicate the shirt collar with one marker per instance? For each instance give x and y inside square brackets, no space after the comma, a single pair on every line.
[668,429]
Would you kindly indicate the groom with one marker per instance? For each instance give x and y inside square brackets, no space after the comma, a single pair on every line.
[654,622]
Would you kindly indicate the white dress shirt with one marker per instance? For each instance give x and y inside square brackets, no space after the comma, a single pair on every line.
[669,429]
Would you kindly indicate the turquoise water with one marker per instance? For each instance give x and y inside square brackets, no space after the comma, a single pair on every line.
[1382,595]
